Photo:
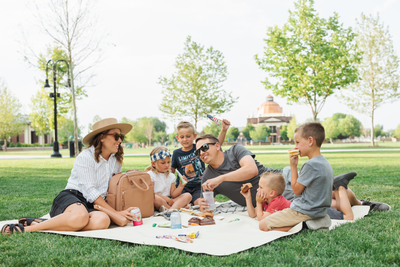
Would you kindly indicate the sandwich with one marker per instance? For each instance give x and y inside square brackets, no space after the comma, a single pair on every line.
[246,187]
[294,152]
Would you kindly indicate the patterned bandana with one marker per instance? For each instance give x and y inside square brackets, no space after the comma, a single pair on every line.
[160,155]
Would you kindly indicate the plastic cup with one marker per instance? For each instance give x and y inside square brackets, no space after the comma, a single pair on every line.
[209,196]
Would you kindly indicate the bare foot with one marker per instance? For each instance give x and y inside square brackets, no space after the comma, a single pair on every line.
[33,223]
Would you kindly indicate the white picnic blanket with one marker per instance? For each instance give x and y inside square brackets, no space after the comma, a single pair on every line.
[224,238]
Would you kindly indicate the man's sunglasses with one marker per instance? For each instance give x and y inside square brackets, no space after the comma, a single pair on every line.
[203,148]
[117,136]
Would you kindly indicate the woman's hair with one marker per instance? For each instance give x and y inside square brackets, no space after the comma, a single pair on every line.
[97,144]
[275,181]
[156,150]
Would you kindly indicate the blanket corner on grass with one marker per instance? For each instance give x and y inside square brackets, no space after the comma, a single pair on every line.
[220,239]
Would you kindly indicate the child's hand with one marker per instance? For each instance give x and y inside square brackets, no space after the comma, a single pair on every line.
[260,198]
[294,160]
[225,124]
[246,195]
[180,181]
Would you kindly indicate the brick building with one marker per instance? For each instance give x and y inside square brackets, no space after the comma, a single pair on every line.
[271,114]
[28,136]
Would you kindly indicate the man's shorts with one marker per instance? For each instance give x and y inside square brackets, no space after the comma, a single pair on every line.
[286,217]
[195,191]
[334,214]
[66,198]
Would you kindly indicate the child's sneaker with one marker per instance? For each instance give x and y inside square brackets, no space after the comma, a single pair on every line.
[375,206]
[162,209]
[343,180]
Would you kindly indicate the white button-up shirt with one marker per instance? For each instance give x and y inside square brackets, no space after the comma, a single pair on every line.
[92,178]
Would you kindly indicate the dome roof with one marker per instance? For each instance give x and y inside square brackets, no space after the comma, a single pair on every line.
[269,106]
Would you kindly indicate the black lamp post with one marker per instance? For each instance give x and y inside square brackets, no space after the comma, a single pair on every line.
[56,153]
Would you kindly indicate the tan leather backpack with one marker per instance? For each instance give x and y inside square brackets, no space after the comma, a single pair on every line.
[132,189]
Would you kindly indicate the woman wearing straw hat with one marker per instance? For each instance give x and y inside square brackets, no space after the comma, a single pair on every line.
[73,208]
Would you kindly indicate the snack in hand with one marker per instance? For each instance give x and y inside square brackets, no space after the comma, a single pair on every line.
[186,210]
[246,187]
[294,152]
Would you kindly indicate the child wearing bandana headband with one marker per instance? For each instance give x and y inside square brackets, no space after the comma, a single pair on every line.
[167,195]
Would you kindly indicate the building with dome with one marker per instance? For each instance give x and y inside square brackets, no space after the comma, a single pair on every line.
[271,115]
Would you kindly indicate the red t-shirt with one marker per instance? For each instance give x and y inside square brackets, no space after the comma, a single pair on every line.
[276,204]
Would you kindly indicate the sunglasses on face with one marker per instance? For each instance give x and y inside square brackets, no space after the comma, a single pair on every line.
[117,136]
[203,148]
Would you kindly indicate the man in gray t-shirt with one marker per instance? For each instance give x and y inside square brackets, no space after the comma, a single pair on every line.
[231,189]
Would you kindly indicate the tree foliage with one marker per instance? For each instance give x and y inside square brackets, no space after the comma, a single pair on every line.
[396,133]
[261,132]
[12,121]
[146,130]
[378,70]
[196,87]
[284,133]
[212,128]
[292,127]
[42,113]
[232,133]
[246,130]
[310,57]
[350,126]
[331,127]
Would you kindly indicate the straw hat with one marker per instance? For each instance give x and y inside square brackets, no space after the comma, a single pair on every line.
[106,124]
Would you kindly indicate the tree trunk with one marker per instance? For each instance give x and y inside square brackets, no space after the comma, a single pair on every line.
[43,140]
[372,125]
[331,140]
[76,147]
[5,144]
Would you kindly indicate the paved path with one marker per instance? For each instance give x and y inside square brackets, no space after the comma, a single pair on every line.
[255,152]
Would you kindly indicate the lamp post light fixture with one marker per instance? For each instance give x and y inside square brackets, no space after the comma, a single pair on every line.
[56,153]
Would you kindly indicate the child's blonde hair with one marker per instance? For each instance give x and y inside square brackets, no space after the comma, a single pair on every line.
[275,181]
[185,124]
[155,151]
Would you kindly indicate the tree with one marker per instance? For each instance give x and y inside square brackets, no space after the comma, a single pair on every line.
[260,133]
[284,134]
[378,130]
[196,87]
[66,129]
[73,27]
[12,122]
[148,131]
[310,57]
[292,127]
[233,132]
[246,130]
[331,127]
[396,133]
[378,70]
[41,116]
[96,118]
[212,128]
[350,126]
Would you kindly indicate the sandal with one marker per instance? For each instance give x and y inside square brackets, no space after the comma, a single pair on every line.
[13,228]
[29,220]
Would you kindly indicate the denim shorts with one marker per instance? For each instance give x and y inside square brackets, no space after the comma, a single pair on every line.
[335,214]
[66,198]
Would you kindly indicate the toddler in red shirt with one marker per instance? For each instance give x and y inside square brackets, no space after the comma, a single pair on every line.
[269,196]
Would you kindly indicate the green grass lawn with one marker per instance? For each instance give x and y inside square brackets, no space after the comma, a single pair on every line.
[65,152]
[27,188]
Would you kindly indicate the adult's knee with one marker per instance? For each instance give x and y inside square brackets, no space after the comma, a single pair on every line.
[79,219]
[100,221]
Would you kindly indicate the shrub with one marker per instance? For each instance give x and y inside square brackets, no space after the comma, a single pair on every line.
[11,144]
[19,144]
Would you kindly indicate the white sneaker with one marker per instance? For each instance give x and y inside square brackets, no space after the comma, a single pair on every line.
[320,223]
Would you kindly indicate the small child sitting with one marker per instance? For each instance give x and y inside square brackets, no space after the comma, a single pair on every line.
[167,195]
[269,196]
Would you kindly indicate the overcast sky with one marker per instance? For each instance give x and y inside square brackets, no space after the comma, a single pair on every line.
[145,38]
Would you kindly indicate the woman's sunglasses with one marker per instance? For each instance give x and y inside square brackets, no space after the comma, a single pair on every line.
[117,136]
[203,148]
